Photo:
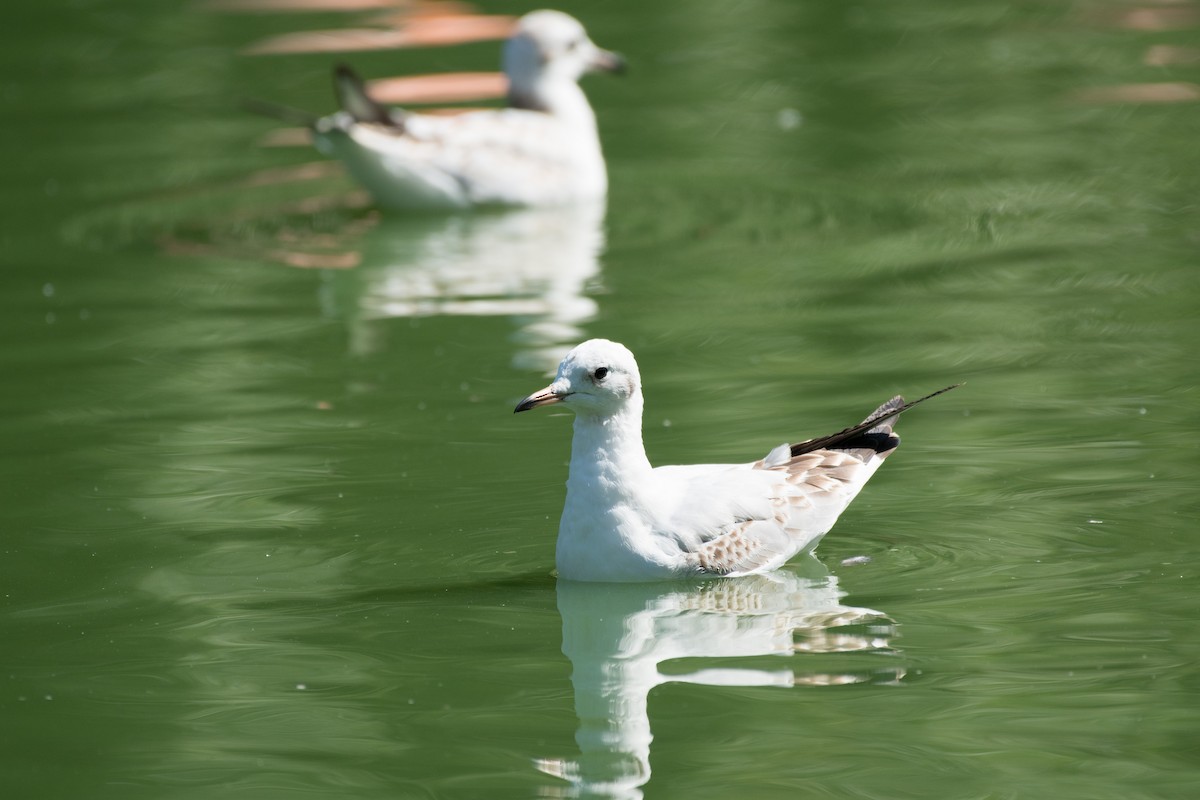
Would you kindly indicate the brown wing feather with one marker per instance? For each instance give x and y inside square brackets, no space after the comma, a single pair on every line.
[814,469]
[746,546]
[741,549]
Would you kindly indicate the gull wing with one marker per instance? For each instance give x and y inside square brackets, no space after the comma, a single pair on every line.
[804,489]
[504,156]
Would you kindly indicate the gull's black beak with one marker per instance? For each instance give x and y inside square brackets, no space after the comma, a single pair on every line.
[542,397]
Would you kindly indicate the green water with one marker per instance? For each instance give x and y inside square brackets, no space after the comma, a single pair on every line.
[274,532]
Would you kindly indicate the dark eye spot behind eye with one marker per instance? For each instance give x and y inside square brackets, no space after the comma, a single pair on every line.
[600,373]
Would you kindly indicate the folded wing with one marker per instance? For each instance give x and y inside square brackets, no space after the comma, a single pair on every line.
[798,491]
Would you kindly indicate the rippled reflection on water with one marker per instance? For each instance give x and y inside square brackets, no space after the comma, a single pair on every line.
[626,639]
[534,267]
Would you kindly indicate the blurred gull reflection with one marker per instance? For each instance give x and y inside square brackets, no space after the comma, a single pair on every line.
[618,636]
[533,265]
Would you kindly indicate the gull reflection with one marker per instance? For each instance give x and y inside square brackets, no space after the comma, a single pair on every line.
[619,637]
[533,265]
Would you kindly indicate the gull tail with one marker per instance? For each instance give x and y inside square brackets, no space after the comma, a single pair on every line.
[874,432]
[352,96]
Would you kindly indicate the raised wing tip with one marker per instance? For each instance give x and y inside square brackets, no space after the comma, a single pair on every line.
[897,406]
[874,432]
[352,96]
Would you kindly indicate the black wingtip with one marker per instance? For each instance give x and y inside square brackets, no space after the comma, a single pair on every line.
[352,96]
[878,441]
[871,432]
[344,75]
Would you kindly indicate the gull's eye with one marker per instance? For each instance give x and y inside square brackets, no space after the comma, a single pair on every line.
[574,44]
[600,373]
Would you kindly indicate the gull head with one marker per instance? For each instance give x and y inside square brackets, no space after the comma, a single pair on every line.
[552,46]
[597,378]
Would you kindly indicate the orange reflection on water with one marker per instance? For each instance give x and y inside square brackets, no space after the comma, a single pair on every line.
[305,260]
[314,170]
[1165,55]
[445,87]
[411,31]
[286,137]
[1160,19]
[1172,92]
[257,6]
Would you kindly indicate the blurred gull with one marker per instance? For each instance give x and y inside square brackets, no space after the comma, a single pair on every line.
[627,521]
[543,149]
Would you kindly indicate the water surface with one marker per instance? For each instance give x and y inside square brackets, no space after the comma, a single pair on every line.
[271,530]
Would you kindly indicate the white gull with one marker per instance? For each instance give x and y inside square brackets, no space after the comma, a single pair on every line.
[542,150]
[627,521]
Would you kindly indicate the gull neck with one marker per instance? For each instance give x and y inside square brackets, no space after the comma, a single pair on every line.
[608,450]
